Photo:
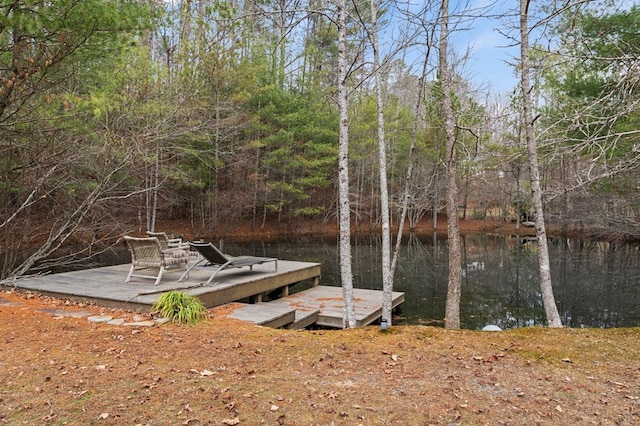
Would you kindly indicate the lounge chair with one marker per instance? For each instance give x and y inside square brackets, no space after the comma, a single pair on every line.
[147,253]
[215,258]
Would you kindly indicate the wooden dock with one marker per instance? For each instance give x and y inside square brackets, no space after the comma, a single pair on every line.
[106,287]
[321,305]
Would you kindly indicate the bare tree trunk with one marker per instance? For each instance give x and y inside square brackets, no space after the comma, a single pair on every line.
[147,197]
[548,300]
[452,312]
[154,193]
[349,312]
[434,211]
[254,209]
[282,44]
[387,274]
[216,166]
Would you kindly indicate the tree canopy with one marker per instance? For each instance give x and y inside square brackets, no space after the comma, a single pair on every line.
[116,112]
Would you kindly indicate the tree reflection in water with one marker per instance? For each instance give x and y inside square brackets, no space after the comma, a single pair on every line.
[597,284]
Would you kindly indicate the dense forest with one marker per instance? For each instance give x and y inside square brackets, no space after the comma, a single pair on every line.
[117,113]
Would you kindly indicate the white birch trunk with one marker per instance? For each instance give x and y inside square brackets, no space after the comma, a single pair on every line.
[349,314]
[548,300]
[387,275]
[454,288]
[154,200]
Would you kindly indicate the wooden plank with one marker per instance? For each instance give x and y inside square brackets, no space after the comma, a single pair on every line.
[304,318]
[265,314]
[328,300]
[240,286]
[106,287]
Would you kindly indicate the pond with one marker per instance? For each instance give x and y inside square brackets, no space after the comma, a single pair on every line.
[596,284]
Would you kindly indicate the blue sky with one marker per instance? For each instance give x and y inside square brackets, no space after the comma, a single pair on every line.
[489,49]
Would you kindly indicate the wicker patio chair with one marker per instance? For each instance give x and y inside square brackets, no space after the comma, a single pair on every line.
[147,253]
[174,246]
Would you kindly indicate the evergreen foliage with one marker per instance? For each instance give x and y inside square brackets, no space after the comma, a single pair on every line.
[113,111]
[592,95]
[595,88]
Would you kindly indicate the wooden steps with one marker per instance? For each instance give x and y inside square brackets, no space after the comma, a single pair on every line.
[275,315]
[321,305]
[264,314]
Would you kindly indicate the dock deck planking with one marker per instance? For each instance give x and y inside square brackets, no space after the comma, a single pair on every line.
[105,286]
[322,305]
[265,314]
[254,313]
[328,300]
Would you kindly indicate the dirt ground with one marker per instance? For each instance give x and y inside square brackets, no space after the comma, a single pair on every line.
[62,370]
[59,369]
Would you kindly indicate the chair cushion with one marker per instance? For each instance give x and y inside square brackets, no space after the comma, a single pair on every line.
[175,260]
[175,253]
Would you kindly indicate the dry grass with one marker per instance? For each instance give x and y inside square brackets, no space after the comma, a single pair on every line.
[223,372]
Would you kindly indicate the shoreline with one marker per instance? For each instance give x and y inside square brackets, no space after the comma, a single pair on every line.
[243,232]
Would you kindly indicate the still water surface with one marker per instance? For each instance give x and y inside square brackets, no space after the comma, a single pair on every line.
[596,284]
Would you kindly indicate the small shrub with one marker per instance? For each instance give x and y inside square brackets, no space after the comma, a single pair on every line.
[479,214]
[180,307]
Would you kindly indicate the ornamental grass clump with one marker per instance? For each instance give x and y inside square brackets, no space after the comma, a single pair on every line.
[179,307]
